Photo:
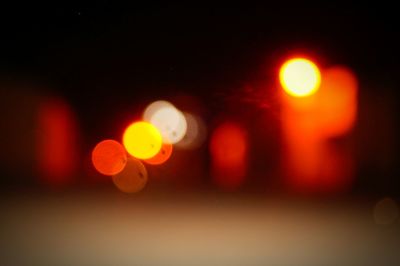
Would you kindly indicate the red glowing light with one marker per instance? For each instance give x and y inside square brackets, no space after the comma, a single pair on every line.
[57,142]
[109,157]
[228,149]
[312,162]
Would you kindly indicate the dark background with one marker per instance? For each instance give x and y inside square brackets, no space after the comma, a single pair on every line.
[109,59]
[87,48]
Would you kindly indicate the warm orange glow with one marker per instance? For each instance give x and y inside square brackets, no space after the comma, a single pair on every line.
[300,160]
[57,142]
[300,77]
[162,156]
[142,140]
[109,157]
[311,161]
[228,149]
[133,178]
[336,102]
[312,164]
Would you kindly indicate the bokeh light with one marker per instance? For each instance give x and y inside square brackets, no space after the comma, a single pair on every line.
[300,77]
[133,178]
[386,211]
[312,163]
[228,149]
[301,151]
[109,157]
[195,134]
[167,119]
[337,101]
[57,142]
[154,107]
[142,140]
[162,156]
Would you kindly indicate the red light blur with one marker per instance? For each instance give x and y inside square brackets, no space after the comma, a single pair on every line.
[57,142]
[228,149]
[109,157]
[337,101]
[311,161]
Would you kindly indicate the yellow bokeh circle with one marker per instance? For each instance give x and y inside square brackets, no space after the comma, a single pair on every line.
[142,140]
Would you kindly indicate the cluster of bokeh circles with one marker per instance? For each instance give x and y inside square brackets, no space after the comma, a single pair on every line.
[147,141]
[316,105]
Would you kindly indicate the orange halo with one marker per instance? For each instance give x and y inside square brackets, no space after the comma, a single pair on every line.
[336,108]
[162,156]
[109,157]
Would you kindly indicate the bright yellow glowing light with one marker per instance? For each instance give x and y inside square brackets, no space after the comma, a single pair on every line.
[142,140]
[300,77]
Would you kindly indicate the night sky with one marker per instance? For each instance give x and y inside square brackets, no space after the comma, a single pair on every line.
[190,48]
